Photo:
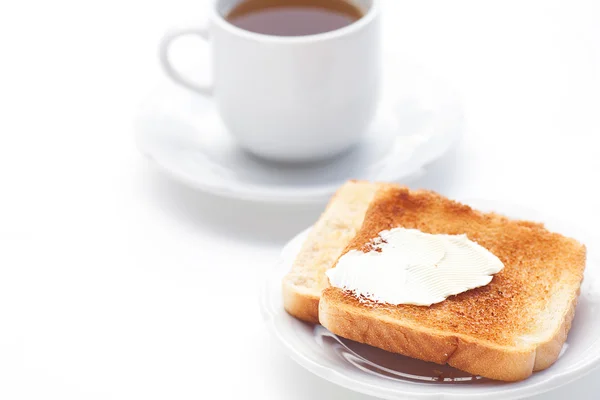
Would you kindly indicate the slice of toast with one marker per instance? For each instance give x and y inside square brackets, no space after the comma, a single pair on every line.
[338,224]
[505,330]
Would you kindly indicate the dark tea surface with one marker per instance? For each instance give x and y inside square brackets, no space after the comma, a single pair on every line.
[293,17]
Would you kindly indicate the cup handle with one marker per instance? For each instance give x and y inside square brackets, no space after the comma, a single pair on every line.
[172,72]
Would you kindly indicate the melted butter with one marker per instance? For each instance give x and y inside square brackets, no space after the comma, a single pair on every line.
[407,266]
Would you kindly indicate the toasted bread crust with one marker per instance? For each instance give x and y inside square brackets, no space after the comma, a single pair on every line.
[302,305]
[355,322]
[547,352]
[505,330]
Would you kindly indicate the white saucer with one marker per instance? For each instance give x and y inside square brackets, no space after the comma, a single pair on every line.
[418,121]
[378,373]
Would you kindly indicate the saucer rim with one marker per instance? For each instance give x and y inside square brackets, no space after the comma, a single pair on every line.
[415,164]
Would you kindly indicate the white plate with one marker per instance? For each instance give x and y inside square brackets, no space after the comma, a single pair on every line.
[378,373]
[418,121]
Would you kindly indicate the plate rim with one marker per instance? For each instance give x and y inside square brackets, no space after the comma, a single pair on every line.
[551,382]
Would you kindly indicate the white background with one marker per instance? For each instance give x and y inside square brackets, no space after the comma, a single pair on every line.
[116,283]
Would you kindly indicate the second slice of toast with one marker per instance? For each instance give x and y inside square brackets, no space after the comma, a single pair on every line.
[338,224]
[505,330]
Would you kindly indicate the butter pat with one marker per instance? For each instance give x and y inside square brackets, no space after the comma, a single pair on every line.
[407,266]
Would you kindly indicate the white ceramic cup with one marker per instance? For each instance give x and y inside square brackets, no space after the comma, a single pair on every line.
[290,98]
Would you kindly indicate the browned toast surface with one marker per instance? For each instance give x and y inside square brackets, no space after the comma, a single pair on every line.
[527,307]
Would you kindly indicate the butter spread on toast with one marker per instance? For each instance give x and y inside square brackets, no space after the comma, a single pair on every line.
[407,266]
